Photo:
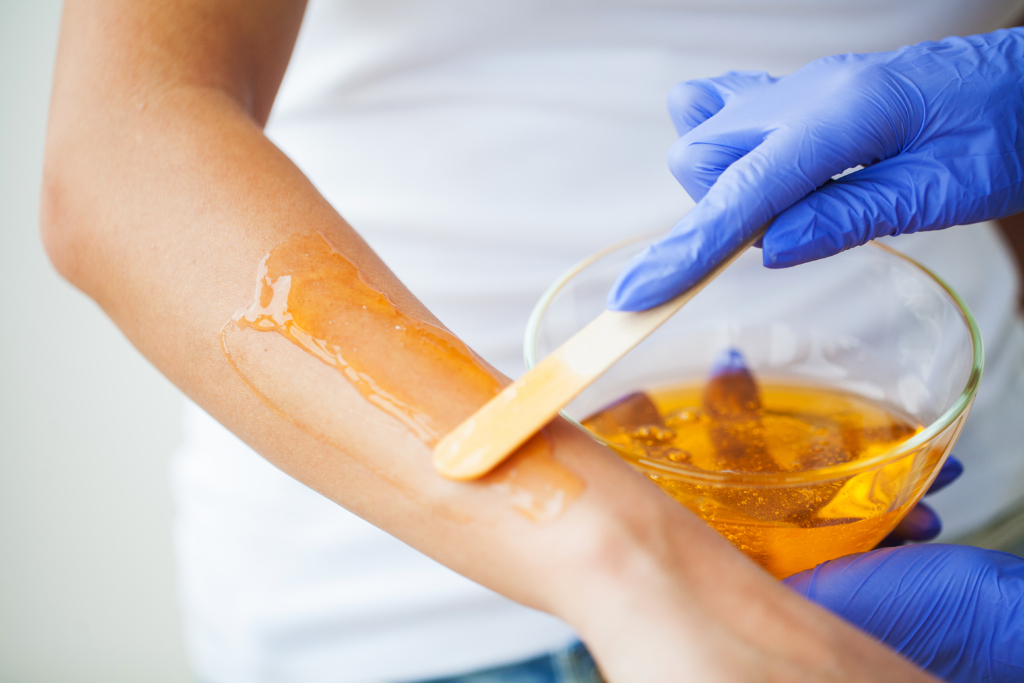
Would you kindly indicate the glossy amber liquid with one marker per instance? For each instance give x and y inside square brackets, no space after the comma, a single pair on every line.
[312,306]
[730,425]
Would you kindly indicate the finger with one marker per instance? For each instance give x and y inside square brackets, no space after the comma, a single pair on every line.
[697,165]
[950,471]
[699,157]
[691,103]
[746,196]
[888,198]
[921,524]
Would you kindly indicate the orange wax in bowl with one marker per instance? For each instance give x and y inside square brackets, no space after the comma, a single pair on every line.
[788,429]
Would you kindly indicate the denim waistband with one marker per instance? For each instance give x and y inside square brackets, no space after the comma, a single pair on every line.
[571,665]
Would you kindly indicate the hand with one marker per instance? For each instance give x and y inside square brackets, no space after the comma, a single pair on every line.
[956,611]
[922,523]
[937,126]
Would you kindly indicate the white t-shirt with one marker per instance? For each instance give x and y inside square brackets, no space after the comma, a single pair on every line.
[481,148]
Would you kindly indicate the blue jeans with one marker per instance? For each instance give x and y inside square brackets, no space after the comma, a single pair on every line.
[571,665]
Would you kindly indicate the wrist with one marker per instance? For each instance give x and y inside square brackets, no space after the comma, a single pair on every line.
[656,594]
[631,562]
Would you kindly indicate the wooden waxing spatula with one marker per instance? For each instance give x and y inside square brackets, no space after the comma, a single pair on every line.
[508,420]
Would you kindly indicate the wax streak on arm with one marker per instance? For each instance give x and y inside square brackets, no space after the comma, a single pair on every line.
[412,369]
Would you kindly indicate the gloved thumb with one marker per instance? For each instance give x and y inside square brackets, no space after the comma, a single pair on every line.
[886,198]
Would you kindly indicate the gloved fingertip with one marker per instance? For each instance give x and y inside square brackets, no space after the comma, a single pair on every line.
[950,471]
[728,360]
[772,257]
[921,524]
[662,270]
[621,298]
[639,286]
[691,103]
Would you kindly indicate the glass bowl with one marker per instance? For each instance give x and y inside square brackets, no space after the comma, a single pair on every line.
[869,322]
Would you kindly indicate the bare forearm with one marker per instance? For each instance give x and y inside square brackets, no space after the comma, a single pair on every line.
[162,214]
[162,198]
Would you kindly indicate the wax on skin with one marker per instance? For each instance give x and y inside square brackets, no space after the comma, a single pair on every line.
[312,307]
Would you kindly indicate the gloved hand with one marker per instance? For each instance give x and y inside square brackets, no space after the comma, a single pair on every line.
[922,523]
[956,611]
[939,127]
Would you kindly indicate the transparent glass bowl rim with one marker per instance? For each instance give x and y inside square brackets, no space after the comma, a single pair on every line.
[761,480]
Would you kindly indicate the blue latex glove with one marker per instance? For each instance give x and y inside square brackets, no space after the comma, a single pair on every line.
[955,611]
[938,127]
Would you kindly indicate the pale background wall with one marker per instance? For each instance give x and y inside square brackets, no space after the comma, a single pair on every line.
[86,427]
